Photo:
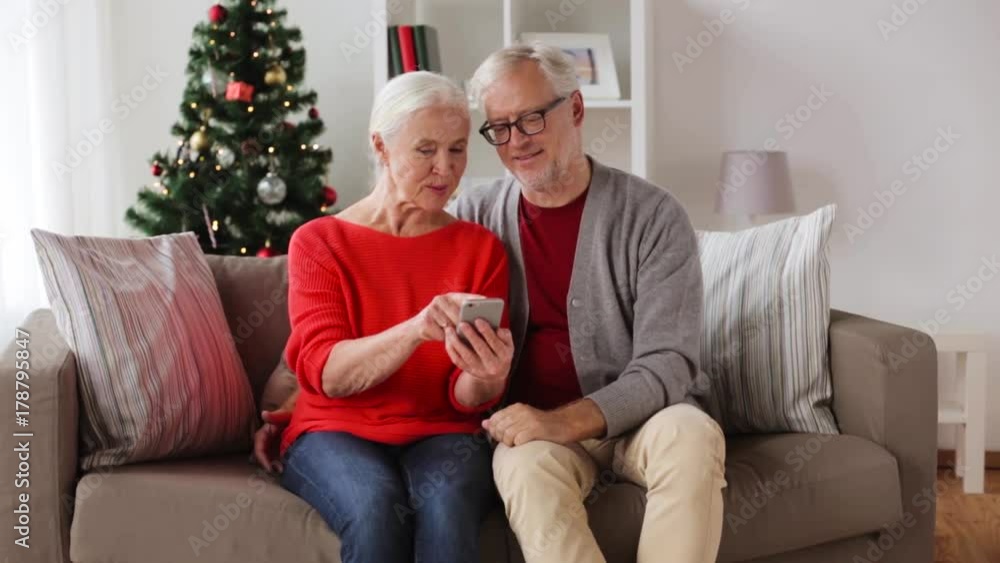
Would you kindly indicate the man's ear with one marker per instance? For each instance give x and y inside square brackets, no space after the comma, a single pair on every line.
[576,101]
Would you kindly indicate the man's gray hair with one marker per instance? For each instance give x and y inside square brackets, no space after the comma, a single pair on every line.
[554,63]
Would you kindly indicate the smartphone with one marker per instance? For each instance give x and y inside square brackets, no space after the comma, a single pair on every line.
[489,309]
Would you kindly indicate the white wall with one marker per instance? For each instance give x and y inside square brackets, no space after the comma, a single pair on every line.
[888,99]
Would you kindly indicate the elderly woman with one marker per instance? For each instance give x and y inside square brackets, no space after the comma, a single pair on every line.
[389,392]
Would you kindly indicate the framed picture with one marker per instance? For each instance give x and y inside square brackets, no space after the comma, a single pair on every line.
[595,65]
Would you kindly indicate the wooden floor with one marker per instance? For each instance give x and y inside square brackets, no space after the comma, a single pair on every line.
[968,526]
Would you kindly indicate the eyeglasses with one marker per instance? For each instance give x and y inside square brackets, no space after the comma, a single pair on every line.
[529,124]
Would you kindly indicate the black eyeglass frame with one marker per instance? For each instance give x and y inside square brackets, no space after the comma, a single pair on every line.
[518,122]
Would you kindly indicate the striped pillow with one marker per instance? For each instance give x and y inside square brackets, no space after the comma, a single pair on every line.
[767,314]
[158,372]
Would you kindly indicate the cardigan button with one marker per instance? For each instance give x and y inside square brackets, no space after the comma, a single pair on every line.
[575,302]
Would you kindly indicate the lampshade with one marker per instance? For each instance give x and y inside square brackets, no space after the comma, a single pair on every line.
[754,183]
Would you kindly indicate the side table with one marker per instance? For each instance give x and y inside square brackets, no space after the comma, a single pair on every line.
[969,412]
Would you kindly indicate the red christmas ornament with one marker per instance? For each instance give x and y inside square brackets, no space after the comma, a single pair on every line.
[287,125]
[329,195]
[157,170]
[217,13]
[266,252]
[313,113]
[239,91]
[250,147]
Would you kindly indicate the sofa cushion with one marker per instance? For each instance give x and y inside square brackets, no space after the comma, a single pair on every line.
[785,492]
[791,491]
[158,373]
[254,295]
[766,317]
[223,509]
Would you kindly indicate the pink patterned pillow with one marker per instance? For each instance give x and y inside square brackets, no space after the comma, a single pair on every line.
[158,372]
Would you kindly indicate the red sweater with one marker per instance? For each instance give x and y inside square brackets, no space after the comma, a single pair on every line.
[347,281]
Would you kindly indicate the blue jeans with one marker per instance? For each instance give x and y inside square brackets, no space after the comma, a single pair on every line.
[421,502]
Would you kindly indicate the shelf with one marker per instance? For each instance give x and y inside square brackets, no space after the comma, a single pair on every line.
[951,412]
[468,31]
[960,342]
[612,104]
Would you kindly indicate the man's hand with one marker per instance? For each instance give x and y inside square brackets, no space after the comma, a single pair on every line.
[520,423]
[267,440]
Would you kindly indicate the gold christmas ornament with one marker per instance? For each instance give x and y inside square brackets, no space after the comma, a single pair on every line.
[275,76]
[200,141]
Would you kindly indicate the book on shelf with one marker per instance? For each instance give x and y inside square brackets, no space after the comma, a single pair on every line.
[395,58]
[413,47]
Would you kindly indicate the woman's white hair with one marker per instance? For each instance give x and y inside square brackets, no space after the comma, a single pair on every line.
[408,93]
[555,64]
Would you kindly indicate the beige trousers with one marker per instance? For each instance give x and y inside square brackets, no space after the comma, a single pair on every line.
[678,455]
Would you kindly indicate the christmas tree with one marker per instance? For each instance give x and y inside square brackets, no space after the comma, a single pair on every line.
[244,174]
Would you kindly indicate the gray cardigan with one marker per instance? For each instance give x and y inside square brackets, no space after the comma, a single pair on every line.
[635,296]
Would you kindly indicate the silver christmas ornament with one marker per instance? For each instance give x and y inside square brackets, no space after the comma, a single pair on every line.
[225,156]
[215,80]
[272,189]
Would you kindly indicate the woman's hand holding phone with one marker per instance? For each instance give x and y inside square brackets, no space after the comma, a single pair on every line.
[486,354]
[442,312]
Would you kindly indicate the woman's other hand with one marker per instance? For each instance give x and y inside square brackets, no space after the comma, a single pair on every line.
[267,440]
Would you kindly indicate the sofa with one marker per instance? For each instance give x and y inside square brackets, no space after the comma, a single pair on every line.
[864,495]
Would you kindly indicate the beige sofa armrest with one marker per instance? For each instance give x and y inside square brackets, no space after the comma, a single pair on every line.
[52,448]
[885,390]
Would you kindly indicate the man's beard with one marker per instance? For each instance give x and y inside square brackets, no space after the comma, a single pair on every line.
[544,180]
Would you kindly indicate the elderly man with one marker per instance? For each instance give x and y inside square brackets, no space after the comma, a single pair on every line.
[605,309]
